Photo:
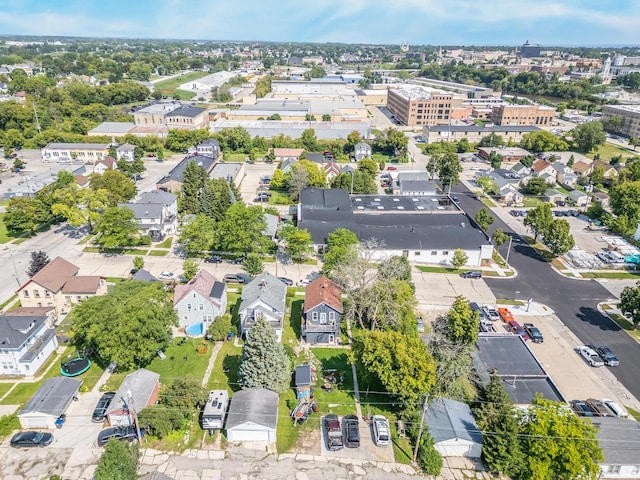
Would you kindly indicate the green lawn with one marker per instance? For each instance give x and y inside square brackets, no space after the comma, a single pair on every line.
[488,202]
[341,400]
[234,157]
[182,360]
[427,269]
[613,275]
[609,150]
[292,322]
[225,370]
[4,235]
[279,198]
[158,253]
[532,201]
[166,243]
[624,324]
[634,413]
[7,302]
[183,95]
[174,83]
[4,388]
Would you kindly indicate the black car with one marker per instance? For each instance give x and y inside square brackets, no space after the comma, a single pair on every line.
[534,334]
[232,278]
[238,260]
[581,408]
[351,431]
[127,433]
[213,259]
[287,281]
[31,439]
[471,274]
[607,355]
[99,413]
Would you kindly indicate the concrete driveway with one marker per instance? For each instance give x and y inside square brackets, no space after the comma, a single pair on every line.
[366,451]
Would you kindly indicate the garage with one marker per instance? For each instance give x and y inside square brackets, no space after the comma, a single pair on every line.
[252,416]
[49,402]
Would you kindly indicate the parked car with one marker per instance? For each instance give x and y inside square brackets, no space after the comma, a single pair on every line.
[598,408]
[607,355]
[420,324]
[127,433]
[581,408]
[287,281]
[100,412]
[303,283]
[517,329]
[590,355]
[31,439]
[238,260]
[487,326]
[351,431]
[476,308]
[471,274]
[391,167]
[167,276]
[232,278]
[490,312]
[534,334]
[213,259]
[505,314]
[381,432]
[332,432]
[615,407]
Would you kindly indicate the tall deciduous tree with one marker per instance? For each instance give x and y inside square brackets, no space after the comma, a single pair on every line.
[253,265]
[463,323]
[630,303]
[25,214]
[39,260]
[190,268]
[588,136]
[341,245]
[80,206]
[297,242]
[460,258]
[543,141]
[199,234]
[558,237]
[119,461]
[241,230]
[356,182]
[264,361]
[119,187]
[483,218]
[117,227]
[128,325]
[447,166]
[535,186]
[400,362]
[539,219]
[499,237]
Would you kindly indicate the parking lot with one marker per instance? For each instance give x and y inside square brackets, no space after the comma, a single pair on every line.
[366,451]
[248,185]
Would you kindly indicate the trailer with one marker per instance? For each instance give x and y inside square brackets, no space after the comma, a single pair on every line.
[215,410]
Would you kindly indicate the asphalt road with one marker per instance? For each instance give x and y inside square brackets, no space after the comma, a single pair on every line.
[574,301]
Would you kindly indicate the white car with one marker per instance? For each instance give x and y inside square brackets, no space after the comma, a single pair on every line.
[381,431]
[303,283]
[167,276]
[490,312]
[615,407]
[591,356]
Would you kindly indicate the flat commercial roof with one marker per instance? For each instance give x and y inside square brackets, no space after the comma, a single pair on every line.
[508,354]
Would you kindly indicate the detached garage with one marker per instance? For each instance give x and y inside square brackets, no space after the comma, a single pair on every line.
[453,428]
[49,402]
[253,416]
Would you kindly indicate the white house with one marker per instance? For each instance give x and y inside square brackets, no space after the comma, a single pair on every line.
[453,428]
[27,340]
[580,198]
[618,438]
[264,297]
[125,152]
[201,300]
[107,163]
[209,148]
[49,402]
[361,150]
[156,213]
[252,416]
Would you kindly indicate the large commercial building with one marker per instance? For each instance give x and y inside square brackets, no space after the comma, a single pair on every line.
[349,109]
[473,133]
[629,116]
[512,115]
[530,50]
[172,115]
[415,105]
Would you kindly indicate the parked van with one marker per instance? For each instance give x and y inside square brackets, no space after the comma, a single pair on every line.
[615,257]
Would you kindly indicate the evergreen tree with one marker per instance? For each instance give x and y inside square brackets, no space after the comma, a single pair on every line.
[217,196]
[119,461]
[264,361]
[39,260]
[192,185]
[497,420]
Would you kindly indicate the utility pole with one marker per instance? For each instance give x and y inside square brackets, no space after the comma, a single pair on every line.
[132,409]
[352,175]
[508,250]
[424,411]
[36,115]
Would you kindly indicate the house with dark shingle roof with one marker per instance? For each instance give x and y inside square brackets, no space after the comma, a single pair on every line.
[172,182]
[49,402]
[453,428]
[252,416]
[201,300]
[263,297]
[156,213]
[58,285]
[322,311]
[27,340]
[619,439]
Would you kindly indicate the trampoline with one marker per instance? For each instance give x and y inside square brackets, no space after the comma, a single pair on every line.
[75,365]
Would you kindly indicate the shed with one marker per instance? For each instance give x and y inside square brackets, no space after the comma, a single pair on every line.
[552,195]
[453,428]
[305,376]
[581,199]
[139,389]
[253,416]
[49,402]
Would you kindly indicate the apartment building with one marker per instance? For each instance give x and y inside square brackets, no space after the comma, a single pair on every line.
[416,105]
[66,152]
[629,116]
[522,115]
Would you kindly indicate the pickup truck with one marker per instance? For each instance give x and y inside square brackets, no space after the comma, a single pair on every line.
[333,432]
[505,315]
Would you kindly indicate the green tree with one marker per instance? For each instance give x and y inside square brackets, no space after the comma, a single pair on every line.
[264,363]
[198,235]
[128,325]
[447,166]
[634,142]
[497,419]
[588,136]
[192,185]
[396,267]
[368,166]
[80,206]
[543,141]
[539,219]
[278,179]
[463,323]
[499,237]
[326,117]
[460,258]
[309,140]
[528,160]
[241,230]
[360,181]
[400,362]
[571,161]
[558,443]
[25,214]
[119,461]
[630,303]
[495,159]
[160,421]
[352,139]
[297,242]
[253,264]
[184,394]
[339,249]
[484,218]
[190,268]
[597,175]
[488,185]
[138,262]
[116,228]
[535,186]
[493,140]
[220,328]
[118,186]
[131,168]
[558,237]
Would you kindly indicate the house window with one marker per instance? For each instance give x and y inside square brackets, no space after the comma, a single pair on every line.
[614,469]
[67,300]
[323,318]
[201,306]
[36,293]
[188,306]
[26,293]
[417,254]
[47,293]
[635,470]
[314,316]
[433,252]
[79,298]
[446,252]
[39,304]
[332,316]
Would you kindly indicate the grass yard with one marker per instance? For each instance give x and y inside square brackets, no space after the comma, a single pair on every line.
[5,236]
[624,324]
[174,83]
[341,400]
[182,361]
[279,198]
[488,202]
[427,269]
[234,157]
[4,388]
[634,413]
[8,423]
[609,150]
[7,302]
[166,243]
[612,275]
[225,370]
[532,201]
[158,253]
[292,322]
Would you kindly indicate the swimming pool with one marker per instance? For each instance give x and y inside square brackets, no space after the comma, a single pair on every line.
[195,330]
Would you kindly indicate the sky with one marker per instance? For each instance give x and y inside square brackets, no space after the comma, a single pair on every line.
[417,22]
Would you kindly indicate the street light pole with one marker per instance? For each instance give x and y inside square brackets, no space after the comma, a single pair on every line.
[508,250]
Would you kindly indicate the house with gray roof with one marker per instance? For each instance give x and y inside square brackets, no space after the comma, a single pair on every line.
[209,148]
[200,301]
[414,183]
[361,150]
[552,195]
[263,297]
[579,198]
[508,193]
[453,428]
[172,182]
[138,390]
[143,275]
[618,438]
[125,152]
[271,229]
[156,213]
[565,175]
[49,402]
[27,339]
[252,416]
